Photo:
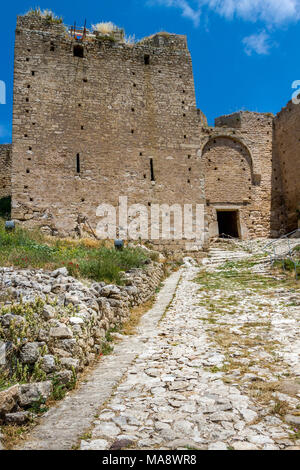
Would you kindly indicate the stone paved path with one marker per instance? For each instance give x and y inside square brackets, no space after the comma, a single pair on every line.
[220,371]
[62,426]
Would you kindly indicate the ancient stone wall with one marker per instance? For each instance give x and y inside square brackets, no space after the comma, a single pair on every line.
[287,149]
[5,170]
[70,326]
[100,120]
[241,174]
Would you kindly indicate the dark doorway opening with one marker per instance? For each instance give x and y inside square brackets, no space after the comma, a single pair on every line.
[228,224]
[78,51]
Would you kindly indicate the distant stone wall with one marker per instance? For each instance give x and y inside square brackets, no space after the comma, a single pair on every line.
[242,174]
[5,170]
[287,148]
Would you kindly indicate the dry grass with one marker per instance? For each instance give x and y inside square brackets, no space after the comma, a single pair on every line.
[263,393]
[280,408]
[105,27]
[46,14]
[14,435]
[74,242]
[129,328]
[160,33]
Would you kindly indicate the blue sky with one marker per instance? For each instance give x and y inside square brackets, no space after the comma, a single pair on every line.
[245,52]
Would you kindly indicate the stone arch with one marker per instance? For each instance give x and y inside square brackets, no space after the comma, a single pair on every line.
[228,170]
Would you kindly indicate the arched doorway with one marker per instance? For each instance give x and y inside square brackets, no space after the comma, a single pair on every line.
[228,184]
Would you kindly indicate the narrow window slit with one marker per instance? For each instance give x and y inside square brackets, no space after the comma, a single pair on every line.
[152,169]
[78,163]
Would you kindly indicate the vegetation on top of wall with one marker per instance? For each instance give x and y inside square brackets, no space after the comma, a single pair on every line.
[106,37]
[130,40]
[164,33]
[48,15]
[106,31]
[83,259]
[105,27]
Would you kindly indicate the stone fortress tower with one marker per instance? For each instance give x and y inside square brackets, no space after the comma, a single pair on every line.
[96,118]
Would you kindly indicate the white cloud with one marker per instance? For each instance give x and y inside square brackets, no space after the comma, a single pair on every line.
[259,43]
[3,131]
[185,6]
[271,12]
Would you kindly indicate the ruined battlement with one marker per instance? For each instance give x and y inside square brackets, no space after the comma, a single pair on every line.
[244,119]
[39,23]
[285,110]
[55,28]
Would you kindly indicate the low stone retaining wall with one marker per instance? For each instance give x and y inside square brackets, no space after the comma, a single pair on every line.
[53,326]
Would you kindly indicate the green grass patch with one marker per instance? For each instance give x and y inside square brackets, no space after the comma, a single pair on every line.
[288,265]
[229,280]
[30,249]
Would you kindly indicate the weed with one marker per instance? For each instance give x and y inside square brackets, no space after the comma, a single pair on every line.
[59,390]
[129,327]
[12,435]
[30,249]
[38,407]
[47,15]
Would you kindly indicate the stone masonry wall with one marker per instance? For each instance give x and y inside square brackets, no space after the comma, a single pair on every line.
[61,325]
[5,170]
[242,174]
[115,112]
[287,145]
[122,121]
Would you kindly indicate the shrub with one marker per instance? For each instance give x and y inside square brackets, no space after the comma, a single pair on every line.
[288,265]
[30,249]
[48,15]
[105,27]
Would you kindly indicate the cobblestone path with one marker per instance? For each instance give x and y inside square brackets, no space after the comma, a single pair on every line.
[221,370]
